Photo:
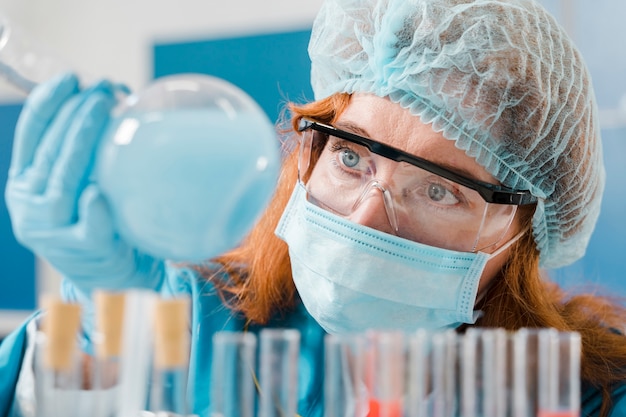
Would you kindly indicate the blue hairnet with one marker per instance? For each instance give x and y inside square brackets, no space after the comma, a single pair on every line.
[499,77]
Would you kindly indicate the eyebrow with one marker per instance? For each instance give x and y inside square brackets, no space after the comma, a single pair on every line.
[353,128]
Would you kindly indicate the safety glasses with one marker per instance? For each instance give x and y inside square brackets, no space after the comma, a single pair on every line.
[423,201]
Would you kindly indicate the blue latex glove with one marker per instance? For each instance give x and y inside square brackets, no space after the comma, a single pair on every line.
[55,208]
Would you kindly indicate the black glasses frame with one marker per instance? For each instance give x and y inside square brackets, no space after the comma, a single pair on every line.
[491,193]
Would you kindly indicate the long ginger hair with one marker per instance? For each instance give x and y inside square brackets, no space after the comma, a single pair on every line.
[260,285]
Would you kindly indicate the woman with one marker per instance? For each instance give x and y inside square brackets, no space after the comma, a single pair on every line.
[453,149]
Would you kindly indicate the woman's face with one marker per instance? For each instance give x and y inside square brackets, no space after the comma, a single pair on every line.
[386,122]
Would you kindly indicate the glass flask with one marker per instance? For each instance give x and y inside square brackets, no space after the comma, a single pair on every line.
[186,165]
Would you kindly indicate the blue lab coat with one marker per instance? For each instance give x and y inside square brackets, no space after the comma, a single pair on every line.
[209,316]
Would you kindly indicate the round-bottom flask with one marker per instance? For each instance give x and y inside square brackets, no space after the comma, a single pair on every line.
[187,166]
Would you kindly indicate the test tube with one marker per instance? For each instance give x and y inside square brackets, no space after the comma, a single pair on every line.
[345,394]
[384,374]
[419,374]
[278,356]
[444,374]
[107,338]
[485,354]
[58,364]
[525,372]
[470,355]
[559,373]
[171,357]
[137,348]
[495,365]
[233,370]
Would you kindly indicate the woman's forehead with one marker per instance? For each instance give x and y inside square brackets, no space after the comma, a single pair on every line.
[384,121]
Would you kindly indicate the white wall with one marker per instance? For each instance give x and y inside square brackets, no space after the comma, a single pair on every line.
[113,38]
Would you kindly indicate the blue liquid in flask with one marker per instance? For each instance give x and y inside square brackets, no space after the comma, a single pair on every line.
[186,178]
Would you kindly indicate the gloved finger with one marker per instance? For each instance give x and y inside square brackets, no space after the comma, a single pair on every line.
[91,251]
[69,117]
[39,109]
[95,220]
[74,162]
[122,89]
[30,213]
[35,176]
[93,231]
[91,235]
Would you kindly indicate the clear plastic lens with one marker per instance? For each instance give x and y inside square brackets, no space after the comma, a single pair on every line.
[421,206]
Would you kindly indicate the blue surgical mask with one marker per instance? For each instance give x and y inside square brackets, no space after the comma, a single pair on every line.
[352,278]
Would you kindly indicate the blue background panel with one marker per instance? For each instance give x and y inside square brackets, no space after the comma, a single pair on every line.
[17,276]
[271,68]
[602,268]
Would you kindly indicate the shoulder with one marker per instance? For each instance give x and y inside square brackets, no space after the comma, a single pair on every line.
[16,353]
[619,401]
[591,400]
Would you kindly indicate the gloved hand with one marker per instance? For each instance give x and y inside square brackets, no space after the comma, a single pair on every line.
[56,210]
